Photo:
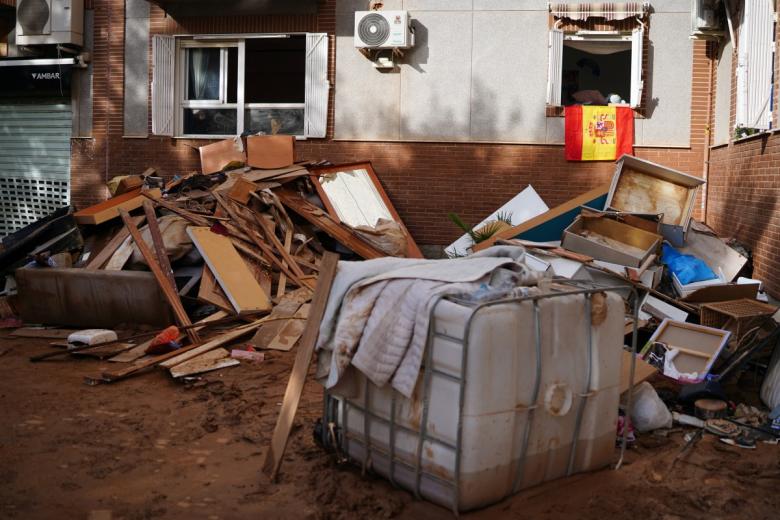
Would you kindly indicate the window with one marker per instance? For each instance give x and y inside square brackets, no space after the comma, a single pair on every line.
[270,84]
[755,62]
[595,67]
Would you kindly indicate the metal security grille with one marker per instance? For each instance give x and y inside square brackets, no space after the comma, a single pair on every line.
[34,161]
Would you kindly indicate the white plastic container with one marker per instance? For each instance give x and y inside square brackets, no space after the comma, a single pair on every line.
[502,429]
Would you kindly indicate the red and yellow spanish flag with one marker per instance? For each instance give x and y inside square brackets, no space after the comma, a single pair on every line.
[598,133]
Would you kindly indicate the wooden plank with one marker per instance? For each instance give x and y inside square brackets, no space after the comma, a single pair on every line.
[109,209]
[105,351]
[93,299]
[643,371]
[266,333]
[97,261]
[158,243]
[121,255]
[242,190]
[282,287]
[169,292]
[140,350]
[319,218]
[292,395]
[212,360]
[230,270]
[286,338]
[559,218]
[213,343]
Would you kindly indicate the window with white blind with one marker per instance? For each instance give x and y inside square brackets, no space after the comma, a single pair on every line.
[221,86]
[595,67]
[755,63]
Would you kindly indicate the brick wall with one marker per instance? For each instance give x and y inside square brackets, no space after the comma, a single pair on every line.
[424,180]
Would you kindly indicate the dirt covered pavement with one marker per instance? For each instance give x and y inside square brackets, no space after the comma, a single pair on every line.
[149,447]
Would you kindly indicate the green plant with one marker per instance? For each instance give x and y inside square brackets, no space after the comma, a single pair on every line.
[484,232]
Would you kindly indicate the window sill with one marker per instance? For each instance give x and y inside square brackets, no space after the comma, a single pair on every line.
[220,137]
[558,111]
[763,133]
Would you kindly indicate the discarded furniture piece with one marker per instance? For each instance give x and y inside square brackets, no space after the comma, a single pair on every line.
[498,386]
[270,151]
[109,209]
[549,225]
[723,259]
[54,233]
[640,186]
[353,195]
[738,316]
[691,349]
[610,241]
[87,298]
[721,293]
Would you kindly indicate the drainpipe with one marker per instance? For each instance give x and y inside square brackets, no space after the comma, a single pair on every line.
[108,95]
[708,132]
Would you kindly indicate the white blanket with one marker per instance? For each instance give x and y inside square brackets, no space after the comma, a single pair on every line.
[378,311]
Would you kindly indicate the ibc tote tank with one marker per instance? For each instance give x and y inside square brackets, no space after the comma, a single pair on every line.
[512,393]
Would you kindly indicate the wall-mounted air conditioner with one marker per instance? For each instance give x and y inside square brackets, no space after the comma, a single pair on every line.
[383,30]
[707,19]
[45,22]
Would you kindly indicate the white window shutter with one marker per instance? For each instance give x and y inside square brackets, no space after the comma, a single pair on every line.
[637,81]
[555,68]
[317,85]
[163,52]
[755,64]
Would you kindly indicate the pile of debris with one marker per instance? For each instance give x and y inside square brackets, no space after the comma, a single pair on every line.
[697,317]
[202,261]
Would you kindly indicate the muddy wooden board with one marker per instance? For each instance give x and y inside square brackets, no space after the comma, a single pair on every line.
[266,333]
[109,209]
[210,291]
[289,334]
[42,332]
[106,351]
[212,360]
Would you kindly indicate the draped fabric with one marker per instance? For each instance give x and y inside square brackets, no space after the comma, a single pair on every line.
[607,10]
[598,133]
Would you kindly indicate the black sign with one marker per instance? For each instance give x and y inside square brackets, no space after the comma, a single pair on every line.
[35,80]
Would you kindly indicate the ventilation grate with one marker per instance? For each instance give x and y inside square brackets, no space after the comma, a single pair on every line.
[23,201]
[374,29]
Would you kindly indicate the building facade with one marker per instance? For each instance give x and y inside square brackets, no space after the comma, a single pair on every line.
[463,120]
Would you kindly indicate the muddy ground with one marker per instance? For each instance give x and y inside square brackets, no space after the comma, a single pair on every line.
[149,447]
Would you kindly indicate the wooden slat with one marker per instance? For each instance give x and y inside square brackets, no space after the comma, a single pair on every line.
[289,334]
[210,292]
[213,343]
[292,395]
[158,243]
[109,209]
[109,249]
[170,293]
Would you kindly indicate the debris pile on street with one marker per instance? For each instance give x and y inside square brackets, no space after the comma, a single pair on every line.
[616,314]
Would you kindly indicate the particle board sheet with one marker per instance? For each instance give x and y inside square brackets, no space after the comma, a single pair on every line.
[211,360]
[266,334]
[230,270]
[109,209]
[291,332]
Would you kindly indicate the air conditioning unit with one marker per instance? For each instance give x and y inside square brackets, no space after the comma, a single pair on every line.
[706,19]
[46,22]
[383,30]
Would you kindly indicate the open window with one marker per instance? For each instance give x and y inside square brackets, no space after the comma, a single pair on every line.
[595,68]
[217,87]
[596,53]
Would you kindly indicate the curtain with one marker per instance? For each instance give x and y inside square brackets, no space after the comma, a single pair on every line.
[199,66]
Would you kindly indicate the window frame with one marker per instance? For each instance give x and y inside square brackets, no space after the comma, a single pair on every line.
[240,106]
[601,35]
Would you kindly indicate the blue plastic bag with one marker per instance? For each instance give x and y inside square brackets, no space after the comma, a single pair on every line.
[687,268]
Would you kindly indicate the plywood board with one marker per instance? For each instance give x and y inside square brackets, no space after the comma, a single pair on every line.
[223,154]
[97,261]
[642,372]
[268,332]
[91,299]
[109,209]
[289,334]
[121,255]
[270,151]
[212,360]
[230,270]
